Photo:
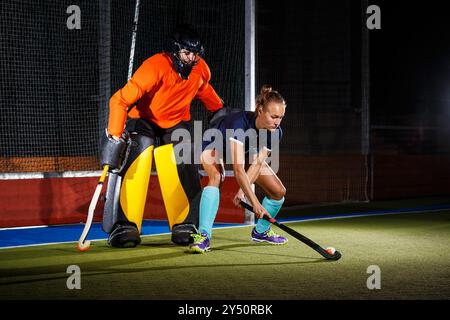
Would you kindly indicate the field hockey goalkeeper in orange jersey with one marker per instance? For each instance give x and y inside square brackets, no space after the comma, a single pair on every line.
[152,105]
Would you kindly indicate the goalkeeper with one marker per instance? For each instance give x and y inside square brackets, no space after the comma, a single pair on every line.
[269,111]
[153,103]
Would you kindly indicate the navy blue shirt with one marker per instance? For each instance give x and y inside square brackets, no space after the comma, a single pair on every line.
[241,126]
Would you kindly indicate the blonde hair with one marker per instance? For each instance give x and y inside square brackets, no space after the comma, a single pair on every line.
[267,95]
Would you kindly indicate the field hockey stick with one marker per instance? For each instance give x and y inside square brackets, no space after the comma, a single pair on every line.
[329,253]
[84,245]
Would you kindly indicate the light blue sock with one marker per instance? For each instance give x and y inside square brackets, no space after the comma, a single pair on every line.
[209,204]
[272,207]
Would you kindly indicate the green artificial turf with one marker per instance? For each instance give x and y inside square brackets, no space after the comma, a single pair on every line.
[411,251]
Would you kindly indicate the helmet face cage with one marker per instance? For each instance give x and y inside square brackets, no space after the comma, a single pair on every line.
[189,42]
[185,38]
[196,53]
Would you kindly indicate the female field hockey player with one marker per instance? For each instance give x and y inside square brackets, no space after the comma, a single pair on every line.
[269,111]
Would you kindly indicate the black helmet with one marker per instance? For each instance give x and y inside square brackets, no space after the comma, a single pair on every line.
[184,37]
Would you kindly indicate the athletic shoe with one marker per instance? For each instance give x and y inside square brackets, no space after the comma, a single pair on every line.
[182,233]
[268,236]
[124,235]
[200,244]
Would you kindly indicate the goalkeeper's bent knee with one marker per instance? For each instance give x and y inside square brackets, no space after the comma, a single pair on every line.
[180,186]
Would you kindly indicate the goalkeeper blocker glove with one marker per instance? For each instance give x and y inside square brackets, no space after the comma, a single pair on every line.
[113,149]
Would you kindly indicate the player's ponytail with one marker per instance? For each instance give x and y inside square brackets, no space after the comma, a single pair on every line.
[267,95]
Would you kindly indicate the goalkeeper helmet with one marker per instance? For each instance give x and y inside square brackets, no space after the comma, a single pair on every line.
[184,39]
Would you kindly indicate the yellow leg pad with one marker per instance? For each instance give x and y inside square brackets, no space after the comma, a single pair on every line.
[174,196]
[134,187]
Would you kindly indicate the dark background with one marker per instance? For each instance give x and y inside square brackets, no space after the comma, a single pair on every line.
[410,77]
[308,50]
[56,84]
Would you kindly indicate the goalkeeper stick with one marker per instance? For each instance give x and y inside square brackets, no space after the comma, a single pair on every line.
[336,255]
[84,245]
[133,45]
[133,39]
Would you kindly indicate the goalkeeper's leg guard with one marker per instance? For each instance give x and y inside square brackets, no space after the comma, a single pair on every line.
[127,193]
[181,191]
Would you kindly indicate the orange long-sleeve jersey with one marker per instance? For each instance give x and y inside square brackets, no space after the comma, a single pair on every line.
[162,96]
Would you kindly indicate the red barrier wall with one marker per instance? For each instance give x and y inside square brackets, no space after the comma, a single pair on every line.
[66,200]
[308,179]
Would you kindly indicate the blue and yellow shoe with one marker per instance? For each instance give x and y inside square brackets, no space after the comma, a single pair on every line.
[200,244]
